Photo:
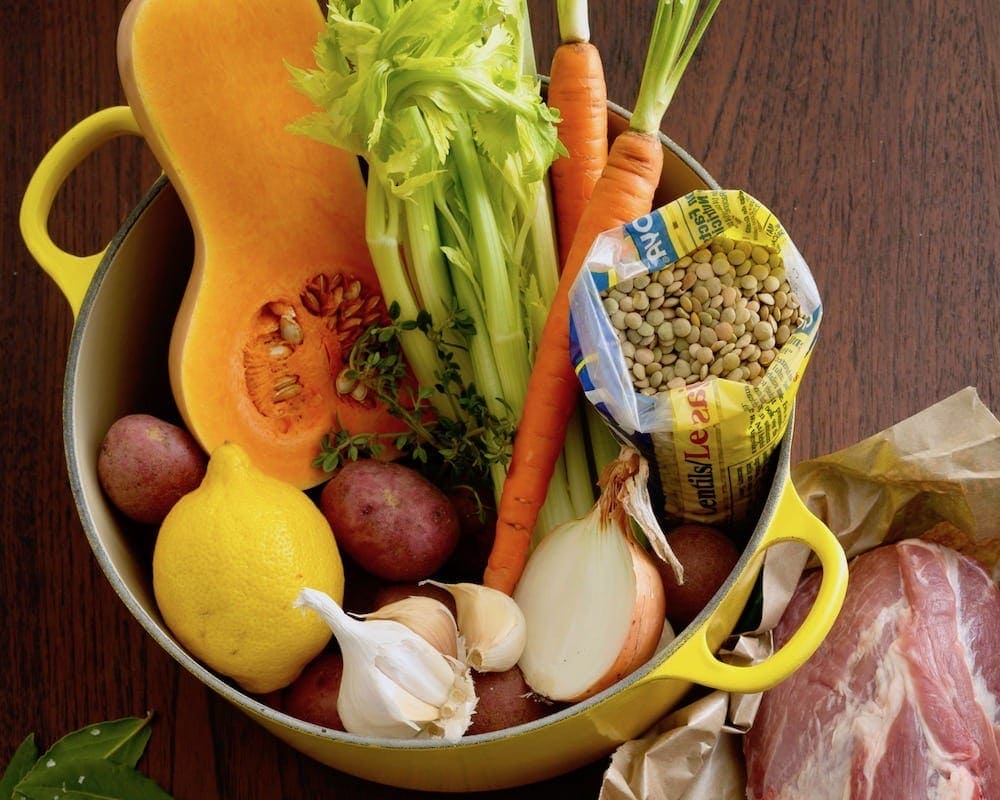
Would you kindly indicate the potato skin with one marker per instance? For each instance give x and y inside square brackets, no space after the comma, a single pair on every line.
[146,464]
[312,696]
[708,556]
[477,520]
[505,700]
[390,519]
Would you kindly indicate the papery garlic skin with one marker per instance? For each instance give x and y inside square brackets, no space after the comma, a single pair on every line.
[491,624]
[395,684]
[427,617]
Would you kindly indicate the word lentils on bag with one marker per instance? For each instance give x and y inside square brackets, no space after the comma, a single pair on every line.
[723,310]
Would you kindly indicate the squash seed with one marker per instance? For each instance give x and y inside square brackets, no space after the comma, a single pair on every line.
[289,329]
[286,387]
[345,384]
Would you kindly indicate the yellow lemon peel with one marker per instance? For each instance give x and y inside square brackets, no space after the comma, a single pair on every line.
[230,559]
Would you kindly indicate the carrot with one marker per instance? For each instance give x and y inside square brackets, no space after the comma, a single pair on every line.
[578,90]
[623,192]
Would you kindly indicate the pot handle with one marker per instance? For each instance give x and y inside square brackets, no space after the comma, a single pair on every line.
[694,660]
[71,273]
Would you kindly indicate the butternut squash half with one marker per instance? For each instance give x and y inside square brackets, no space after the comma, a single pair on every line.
[282,282]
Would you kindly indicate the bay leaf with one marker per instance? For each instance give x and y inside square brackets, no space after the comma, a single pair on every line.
[87,778]
[122,741]
[20,763]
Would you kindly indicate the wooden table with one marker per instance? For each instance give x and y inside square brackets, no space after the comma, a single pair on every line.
[870,129]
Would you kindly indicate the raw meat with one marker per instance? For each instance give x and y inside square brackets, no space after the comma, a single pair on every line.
[902,701]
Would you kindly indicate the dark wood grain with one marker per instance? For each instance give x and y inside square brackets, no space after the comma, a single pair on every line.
[870,129]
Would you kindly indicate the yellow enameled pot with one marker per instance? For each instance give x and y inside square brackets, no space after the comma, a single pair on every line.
[125,299]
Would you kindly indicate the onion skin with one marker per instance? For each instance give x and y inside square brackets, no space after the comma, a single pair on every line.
[593,598]
[648,616]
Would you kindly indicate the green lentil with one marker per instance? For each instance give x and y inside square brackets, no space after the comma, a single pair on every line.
[760,271]
[724,311]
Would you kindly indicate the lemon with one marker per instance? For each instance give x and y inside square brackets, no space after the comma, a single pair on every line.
[229,561]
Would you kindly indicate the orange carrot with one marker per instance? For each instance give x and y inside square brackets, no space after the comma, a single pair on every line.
[577,89]
[623,192]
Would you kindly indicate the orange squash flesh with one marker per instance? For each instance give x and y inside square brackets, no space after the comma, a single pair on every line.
[282,282]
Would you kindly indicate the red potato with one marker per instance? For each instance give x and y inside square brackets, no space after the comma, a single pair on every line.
[477,525]
[360,587]
[312,697]
[505,700]
[390,519]
[708,556]
[146,464]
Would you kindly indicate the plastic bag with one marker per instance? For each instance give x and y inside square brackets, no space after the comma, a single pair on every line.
[711,441]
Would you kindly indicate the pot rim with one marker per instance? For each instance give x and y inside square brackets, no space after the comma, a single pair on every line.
[157,630]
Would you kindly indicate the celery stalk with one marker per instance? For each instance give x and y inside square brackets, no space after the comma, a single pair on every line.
[440,98]
[502,312]
[382,230]
[425,260]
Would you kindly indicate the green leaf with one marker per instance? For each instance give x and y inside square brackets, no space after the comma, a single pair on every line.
[20,763]
[86,778]
[122,741]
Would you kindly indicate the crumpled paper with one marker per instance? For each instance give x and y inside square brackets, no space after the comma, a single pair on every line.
[941,465]
[935,475]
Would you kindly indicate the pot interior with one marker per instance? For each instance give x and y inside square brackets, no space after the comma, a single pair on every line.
[118,365]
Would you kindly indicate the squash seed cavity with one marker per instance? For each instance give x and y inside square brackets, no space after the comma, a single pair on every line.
[299,346]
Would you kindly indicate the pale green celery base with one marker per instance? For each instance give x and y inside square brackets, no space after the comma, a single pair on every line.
[382,234]
[558,506]
[604,447]
[579,478]
[502,308]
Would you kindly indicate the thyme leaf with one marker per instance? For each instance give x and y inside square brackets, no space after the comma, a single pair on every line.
[458,446]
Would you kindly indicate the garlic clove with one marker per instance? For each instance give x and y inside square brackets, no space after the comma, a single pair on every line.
[491,624]
[386,710]
[426,617]
[395,683]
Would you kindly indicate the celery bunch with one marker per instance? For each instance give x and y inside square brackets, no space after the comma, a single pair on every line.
[432,94]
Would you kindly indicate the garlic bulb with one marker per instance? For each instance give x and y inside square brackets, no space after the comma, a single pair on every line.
[592,597]
[395,684]
[425,616]
[491,624]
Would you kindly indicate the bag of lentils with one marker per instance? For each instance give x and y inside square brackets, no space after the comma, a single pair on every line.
[690,329]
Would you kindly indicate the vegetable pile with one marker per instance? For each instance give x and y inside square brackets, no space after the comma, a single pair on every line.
[497,510]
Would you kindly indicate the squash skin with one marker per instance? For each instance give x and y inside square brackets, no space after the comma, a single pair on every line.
[282,282]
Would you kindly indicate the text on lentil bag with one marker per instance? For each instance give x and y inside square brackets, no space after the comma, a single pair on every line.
[690,329]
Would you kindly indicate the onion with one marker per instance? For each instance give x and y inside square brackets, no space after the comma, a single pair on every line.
[592,597]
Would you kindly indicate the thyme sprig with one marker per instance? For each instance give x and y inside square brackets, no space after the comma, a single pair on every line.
[457,445]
